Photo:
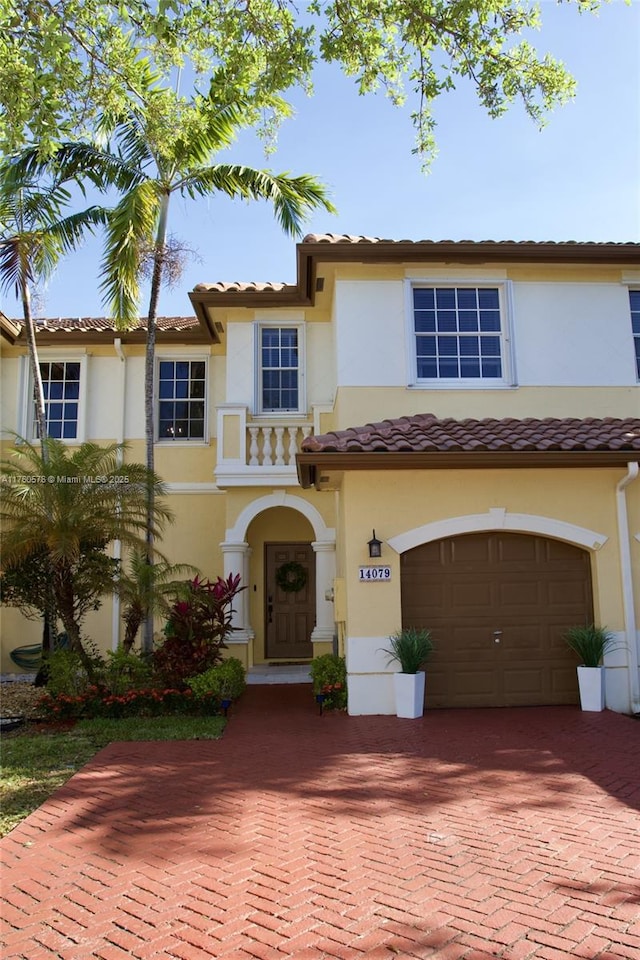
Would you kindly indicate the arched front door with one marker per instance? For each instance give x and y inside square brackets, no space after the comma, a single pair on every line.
[498,604]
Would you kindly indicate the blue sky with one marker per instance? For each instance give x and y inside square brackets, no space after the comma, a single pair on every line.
[578,179]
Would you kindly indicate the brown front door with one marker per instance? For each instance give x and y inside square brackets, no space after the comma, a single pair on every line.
[290,614]
[498,605]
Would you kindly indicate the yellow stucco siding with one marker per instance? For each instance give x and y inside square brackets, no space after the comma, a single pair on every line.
[567,273]
[185,462]
[359,405]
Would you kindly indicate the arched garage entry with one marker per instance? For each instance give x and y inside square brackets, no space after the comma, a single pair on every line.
[498,603]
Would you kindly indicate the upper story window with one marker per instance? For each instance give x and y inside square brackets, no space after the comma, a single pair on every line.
[458,333]
[61,388]
[634,299]
[279,387]
[182,399]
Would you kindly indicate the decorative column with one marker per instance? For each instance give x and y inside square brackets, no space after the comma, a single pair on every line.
[236,560]
[324,630]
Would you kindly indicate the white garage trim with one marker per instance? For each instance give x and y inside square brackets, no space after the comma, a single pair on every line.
[497,518]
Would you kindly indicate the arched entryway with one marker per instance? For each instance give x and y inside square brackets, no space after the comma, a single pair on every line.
[498,603]
[269,533]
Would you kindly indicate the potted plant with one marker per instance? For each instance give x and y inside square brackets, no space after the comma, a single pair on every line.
[329,678]
[590,643]
[409,647]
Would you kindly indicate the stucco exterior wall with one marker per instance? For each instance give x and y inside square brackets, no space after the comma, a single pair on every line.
[556,503]
[562,333]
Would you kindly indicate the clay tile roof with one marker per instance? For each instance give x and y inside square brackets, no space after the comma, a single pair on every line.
[354,239]
[82,324]
[426,433]
[249,286]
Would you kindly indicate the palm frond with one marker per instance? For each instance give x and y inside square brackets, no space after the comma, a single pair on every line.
[132,145]
[75,162]
[69,231]
[292,198]
[15,269]
[74,507]
[130,227]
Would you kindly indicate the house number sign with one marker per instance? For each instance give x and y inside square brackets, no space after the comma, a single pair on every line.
[374,574]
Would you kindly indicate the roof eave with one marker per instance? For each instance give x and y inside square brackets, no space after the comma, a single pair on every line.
[310,253]
[310,465]
[469,251]
[9,329]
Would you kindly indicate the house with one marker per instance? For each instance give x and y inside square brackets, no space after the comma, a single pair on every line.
[472,408]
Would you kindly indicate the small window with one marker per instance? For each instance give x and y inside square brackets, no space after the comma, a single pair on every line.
[61,388]
[181,399]
[634,298]
[458,333]
[279,366]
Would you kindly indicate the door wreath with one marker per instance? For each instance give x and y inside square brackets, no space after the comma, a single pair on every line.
[291,577]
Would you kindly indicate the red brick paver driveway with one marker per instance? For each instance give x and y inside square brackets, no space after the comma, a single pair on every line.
[475,834]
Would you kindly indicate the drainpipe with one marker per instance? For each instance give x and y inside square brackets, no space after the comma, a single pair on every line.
[627,584]
[117,546]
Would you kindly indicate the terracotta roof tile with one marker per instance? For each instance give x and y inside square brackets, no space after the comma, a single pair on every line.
[348,238]
[249,286]
[102,324]
[425,432]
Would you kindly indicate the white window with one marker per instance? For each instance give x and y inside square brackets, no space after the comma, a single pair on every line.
[63,386]
[182,398]
[459,333]
[279,388]
[634,302]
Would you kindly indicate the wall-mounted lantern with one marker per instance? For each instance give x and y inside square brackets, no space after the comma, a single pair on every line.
[375,546]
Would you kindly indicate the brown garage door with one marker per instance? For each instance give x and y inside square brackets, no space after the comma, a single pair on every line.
[498,604]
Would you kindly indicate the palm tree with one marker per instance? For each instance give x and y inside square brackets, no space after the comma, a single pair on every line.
[69,504]
[34,235]
[148,156]
[145,589]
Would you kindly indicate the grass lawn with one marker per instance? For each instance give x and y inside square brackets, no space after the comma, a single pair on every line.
[35,764]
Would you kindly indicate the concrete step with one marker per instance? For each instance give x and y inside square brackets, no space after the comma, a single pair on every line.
[279,673]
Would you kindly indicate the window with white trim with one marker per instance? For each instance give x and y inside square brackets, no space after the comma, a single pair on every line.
[182,399]
[61,389]
[458,333]
[634,303]
[279,379]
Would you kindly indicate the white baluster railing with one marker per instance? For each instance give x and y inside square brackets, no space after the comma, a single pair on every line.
[256,449]
[275,445]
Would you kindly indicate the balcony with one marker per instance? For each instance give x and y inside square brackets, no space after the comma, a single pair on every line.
[254,452]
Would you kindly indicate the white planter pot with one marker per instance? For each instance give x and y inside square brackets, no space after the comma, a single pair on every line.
[409,688]
[591,684]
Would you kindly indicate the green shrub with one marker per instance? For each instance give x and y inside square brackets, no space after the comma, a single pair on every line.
[124,671]
[225,681]
[329,677]
[66,674]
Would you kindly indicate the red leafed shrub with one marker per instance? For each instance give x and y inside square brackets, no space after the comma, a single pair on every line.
[196,630]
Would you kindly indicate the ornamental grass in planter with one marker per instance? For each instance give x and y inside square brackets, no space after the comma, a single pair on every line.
[590,643]
[410,648]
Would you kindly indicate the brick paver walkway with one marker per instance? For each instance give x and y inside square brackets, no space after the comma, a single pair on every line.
[470,833]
